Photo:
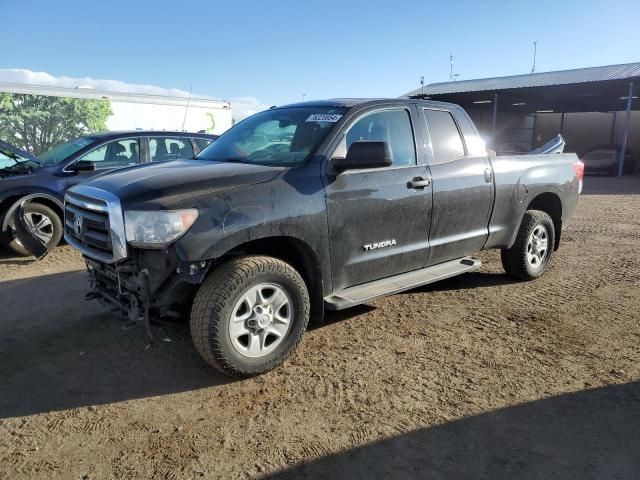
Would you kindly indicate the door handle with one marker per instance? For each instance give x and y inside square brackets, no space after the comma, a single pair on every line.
[418,183]
[488,174]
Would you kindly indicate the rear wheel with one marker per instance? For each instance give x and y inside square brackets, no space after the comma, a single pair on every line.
[43,221]
[249,315]
[529,256]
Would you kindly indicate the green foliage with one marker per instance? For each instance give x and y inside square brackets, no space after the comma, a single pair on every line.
[37,122]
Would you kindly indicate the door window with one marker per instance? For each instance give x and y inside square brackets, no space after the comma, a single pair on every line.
[202,143]
[116,154]
[162,149]
[446,141]
[392,126]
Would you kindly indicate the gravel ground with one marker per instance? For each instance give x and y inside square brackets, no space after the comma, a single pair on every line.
[475,377]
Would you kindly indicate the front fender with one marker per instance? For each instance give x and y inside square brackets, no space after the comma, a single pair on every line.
[26,197]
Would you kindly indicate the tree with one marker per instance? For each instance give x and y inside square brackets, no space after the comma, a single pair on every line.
[37,122]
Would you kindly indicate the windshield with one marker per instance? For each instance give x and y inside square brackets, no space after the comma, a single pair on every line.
[8,158]
[64,150]
[281,137]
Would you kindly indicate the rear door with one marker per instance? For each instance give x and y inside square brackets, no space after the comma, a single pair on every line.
[379,223]
[462,181]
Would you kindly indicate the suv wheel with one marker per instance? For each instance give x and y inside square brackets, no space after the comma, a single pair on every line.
[45,223]
[529,256]
[249,315]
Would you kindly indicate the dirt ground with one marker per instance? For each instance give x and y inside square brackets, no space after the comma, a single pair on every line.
[475,377]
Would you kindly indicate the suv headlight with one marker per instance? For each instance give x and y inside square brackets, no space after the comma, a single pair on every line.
[157,228]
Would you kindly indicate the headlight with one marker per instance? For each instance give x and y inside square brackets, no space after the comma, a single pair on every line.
[157,228]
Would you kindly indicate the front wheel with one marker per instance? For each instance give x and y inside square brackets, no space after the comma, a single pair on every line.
[529,256]
[42,220]
[249,315]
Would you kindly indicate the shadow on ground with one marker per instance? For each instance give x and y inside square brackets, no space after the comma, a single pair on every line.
[467,281]
[591,434]
[58,351]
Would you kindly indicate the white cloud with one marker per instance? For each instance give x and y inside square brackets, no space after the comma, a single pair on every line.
[245,106]
[242,106]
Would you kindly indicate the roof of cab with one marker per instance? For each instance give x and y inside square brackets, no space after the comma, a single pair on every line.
[125,133]
[352,102]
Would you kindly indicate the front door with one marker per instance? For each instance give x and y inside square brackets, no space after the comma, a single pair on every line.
[379,217]
[108,156]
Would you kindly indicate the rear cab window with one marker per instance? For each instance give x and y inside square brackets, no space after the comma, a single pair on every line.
[446,141]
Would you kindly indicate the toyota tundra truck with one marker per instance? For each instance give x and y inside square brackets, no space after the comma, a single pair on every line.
[311,207]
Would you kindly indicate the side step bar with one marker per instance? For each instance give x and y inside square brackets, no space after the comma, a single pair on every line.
[379,288]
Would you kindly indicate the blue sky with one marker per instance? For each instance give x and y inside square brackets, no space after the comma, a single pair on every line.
[276,51]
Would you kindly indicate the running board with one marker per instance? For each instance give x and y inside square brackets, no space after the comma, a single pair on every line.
[379,288]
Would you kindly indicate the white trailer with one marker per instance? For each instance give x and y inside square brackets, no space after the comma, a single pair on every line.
[130,111]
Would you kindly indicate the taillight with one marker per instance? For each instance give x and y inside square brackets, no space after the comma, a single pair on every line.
[578,167]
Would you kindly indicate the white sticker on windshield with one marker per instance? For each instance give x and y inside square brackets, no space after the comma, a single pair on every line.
[324,117]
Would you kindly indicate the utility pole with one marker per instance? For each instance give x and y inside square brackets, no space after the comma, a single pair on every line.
[535,52]
[422,87]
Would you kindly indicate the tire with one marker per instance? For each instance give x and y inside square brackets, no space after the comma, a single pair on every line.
[52,231]
[518,261]
[226,295]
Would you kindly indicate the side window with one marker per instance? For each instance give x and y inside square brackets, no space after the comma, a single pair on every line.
[201,143]
[445,138]
[119,153]
[169,148]
[392,126]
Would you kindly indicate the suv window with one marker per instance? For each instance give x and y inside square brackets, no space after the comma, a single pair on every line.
[445,138]
[119,153]
[162,149]
[392,126]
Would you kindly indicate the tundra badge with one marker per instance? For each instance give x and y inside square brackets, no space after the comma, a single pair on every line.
[385,243]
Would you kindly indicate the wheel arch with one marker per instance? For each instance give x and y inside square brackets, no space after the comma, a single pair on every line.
[551,204]
[10,203]
[296,253]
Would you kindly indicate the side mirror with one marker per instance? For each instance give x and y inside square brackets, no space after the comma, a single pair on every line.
[84,166]
[364,155]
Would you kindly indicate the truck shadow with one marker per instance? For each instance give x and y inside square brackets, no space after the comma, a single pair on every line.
[467,281]
[58,351]
[589,434]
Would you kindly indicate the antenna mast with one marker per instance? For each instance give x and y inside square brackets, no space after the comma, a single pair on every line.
[186,110]
[452,76]
[450,66]
[535,52]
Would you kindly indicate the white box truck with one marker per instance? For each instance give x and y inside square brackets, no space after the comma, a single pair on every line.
[130,111]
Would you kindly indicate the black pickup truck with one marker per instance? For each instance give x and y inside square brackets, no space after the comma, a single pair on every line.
[313,206]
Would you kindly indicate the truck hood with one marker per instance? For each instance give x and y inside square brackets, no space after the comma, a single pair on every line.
[169,182]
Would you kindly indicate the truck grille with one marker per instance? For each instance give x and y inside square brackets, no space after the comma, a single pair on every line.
[93,224]
[88,227]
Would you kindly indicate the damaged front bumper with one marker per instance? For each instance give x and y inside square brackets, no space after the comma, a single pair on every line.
[149,286]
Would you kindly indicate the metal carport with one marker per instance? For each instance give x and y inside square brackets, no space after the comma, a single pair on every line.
[596,89]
